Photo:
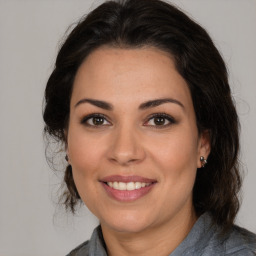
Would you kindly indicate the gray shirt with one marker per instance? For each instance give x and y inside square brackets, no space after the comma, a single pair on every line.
[203,240]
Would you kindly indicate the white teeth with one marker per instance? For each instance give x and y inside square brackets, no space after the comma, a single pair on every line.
[122,186]
[130,186]
[115,185]
[127,186]
[137,185]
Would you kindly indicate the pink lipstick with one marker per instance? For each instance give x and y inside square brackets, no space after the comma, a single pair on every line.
[127,188]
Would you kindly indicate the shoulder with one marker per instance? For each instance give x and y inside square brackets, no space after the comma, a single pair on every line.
[94,246]
[81,250]
[240,242]
[207,239]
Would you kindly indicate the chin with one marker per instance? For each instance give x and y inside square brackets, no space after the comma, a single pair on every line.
[127,223]
[128,228]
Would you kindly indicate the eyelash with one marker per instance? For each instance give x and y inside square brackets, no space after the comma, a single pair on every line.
[165,116]
[95,115]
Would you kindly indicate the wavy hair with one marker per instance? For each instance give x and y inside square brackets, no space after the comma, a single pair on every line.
[135,24]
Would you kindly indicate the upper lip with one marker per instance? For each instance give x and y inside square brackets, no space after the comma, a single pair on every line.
[133,178]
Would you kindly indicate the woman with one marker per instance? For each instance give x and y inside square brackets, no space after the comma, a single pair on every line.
[140,98]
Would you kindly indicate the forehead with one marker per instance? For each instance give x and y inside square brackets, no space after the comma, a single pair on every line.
[129,74]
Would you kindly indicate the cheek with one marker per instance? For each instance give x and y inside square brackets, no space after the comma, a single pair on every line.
[176,158]
[84,152]
[177,151]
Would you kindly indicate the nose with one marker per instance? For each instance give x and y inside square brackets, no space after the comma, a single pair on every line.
[126,147]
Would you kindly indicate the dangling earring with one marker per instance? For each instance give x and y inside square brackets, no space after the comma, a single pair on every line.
[203,161]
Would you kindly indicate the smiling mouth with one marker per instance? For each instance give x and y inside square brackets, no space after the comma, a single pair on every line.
[127,188]
[128,185]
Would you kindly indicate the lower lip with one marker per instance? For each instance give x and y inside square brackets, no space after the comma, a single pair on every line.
[127,195]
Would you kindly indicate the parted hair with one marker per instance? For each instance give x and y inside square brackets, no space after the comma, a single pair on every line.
[139,23]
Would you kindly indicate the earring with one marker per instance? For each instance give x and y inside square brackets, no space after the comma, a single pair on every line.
[203,161]
[66,157]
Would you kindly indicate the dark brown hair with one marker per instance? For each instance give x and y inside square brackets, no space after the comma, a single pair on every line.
[138,23]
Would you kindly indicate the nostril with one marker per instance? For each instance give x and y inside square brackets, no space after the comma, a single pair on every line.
[124,160]
[125,148]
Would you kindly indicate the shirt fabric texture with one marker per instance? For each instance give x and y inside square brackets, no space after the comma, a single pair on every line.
[203,240]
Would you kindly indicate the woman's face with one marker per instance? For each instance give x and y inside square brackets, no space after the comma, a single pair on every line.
[132,139]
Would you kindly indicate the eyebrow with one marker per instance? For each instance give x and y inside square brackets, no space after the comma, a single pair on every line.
[97,103]
[157,102]
[145,105]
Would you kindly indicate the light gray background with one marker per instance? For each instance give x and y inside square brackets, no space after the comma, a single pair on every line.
[30,223]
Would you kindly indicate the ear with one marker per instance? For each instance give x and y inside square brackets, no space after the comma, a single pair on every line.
[204,146]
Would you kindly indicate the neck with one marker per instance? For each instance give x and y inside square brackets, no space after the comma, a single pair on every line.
[158,240]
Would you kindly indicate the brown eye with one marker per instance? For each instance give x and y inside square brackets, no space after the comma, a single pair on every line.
[95,120]
[160,120]
[98,120]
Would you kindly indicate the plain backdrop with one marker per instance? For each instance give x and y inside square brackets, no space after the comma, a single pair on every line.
[30,32]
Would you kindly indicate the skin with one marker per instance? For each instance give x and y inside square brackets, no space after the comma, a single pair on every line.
[128,142]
